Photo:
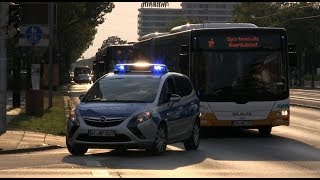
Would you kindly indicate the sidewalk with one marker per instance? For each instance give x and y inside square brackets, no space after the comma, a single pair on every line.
[15,141]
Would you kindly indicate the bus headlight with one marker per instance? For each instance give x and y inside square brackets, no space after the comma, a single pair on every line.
[283,113]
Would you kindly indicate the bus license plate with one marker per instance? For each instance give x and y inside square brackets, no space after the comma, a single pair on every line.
[102,133]
[242,123]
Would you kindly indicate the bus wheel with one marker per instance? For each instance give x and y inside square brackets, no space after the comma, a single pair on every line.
[265,131]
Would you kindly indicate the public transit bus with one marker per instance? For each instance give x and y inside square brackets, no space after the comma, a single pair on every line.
[111,55]
[239,71]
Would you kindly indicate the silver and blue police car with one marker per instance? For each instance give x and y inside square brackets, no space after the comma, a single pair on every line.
[138,106]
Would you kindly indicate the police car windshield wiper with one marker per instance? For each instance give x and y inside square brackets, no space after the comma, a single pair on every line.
[127,101]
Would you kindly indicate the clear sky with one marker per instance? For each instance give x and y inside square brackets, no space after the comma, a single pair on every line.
[121,22]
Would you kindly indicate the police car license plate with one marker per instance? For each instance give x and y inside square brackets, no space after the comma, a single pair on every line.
[242,123]
[102,133]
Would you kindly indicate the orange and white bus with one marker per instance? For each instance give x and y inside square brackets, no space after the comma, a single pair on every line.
[239,70]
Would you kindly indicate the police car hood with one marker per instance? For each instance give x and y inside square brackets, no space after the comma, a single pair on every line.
[111,109]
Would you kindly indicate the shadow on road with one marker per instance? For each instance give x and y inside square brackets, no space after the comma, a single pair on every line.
[248,145]
[219,145]
[140,159]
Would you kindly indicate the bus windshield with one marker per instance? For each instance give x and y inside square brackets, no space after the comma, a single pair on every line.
[240,75]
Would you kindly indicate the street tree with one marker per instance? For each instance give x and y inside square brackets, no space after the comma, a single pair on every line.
[112,40]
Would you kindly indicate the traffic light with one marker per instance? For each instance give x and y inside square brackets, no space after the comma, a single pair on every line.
[14,19]
[293,60]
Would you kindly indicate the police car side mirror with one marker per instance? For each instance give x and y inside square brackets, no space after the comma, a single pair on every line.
[81,96]
[175,98]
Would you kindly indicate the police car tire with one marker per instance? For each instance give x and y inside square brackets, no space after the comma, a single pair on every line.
[154,149]
[76,149]
[193,142]
[265,131]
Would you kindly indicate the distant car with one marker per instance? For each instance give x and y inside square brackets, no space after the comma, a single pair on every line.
[135,108]
[83,78]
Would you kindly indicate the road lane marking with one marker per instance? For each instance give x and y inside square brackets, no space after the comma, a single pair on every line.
[174,148]
[100,173]
[97,172]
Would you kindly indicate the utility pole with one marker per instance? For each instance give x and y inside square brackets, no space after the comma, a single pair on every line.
[51,38]
[4,18]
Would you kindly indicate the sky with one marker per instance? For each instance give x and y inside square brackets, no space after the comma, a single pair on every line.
[121,22]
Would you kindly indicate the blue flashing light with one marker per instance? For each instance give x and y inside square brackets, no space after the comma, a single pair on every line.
[119,68]
[159,69]
[138,67]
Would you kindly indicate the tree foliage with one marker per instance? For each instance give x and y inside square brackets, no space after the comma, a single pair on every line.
[77,22]
[112,40]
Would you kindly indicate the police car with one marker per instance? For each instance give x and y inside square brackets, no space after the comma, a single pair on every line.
[138,106]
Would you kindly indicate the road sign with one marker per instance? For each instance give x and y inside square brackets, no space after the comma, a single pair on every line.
[34,34]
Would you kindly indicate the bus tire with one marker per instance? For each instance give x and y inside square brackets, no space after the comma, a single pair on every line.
[265,131]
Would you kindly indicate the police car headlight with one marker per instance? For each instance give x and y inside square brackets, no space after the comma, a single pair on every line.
[74,118]
[142,117]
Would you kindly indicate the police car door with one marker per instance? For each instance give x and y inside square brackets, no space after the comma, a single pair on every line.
[185,110]
[167,109]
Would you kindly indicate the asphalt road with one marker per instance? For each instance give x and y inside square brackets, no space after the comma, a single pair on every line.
[305,97]
[291,151]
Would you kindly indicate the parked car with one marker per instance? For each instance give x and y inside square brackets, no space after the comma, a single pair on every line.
[83,78]
[136,106]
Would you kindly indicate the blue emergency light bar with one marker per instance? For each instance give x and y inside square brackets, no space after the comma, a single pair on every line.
[140,68]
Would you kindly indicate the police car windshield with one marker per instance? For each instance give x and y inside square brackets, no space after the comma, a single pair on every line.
[127,89]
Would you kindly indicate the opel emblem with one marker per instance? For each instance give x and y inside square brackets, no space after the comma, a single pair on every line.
[103,119]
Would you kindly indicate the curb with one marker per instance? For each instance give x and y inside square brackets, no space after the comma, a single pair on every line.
[14,151]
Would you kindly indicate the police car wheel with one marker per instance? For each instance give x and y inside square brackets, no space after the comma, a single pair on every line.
[265,131]
[193,142]
[76,149]
[160,142]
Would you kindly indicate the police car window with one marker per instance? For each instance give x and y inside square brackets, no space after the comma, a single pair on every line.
[128,89]
[166,91]
[163,97]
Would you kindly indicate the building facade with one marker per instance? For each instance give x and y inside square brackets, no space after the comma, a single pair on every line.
[155,17]
[152,20]
[209,12]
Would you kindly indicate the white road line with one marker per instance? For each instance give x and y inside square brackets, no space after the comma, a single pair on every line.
[174,148]
[100,173]
[97,172]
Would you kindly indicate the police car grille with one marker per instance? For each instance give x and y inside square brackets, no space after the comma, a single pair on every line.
[107,123]
[117,138]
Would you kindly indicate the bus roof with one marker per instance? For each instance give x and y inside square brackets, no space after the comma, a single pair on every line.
[211,25]
[152,35]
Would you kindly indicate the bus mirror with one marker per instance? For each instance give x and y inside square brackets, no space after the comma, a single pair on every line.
[184,50]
